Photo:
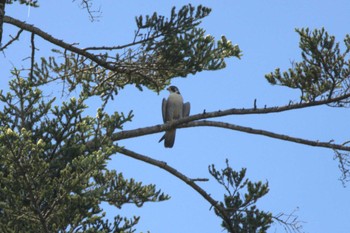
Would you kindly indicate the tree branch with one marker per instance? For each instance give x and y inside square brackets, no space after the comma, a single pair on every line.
[2,14]
[32,57]
[12,40]
[267,134]
[179,175]
[60,43]
[70,47]
[86,4]
[189,122]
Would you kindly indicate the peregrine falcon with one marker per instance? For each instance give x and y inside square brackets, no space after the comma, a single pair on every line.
[173,109]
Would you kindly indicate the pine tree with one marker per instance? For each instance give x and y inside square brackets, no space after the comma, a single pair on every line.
[54,156]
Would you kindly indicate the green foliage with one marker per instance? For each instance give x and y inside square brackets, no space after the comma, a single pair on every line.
[324,71]
[162,49]
[240,202]
[53,155]
[33,3]
[178,43]
[53,170]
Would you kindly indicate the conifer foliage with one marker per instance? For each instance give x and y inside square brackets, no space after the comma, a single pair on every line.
[54,153]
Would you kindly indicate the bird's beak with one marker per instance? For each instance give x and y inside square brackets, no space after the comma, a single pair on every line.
[168,88]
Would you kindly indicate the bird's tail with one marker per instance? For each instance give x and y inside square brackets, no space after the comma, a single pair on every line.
[169,138]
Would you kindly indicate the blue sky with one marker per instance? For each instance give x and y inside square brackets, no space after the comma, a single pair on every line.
[299,176]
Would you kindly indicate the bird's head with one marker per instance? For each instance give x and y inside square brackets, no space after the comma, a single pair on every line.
[173,89]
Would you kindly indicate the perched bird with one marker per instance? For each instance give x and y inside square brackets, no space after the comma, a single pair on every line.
[173,109]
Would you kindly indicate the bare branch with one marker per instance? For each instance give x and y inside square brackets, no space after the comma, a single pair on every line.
[267,134]
[12,40]
[289,222]
[2,14]
[70,47]
[118,47]
[32,57]
[344,165]
[93,14]
[179,175]
[60,43]
[200,179]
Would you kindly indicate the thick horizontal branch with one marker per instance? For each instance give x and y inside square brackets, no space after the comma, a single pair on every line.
[179,175]
[185,122]
[267,134]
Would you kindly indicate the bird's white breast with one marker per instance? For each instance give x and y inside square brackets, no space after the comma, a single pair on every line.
[175,98]
[175,102]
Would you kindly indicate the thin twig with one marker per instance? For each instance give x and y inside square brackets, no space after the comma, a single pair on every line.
[12,40]
[200,179]
[86,4]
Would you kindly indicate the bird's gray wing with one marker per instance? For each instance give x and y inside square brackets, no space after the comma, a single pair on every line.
[164,103]
[186,109]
